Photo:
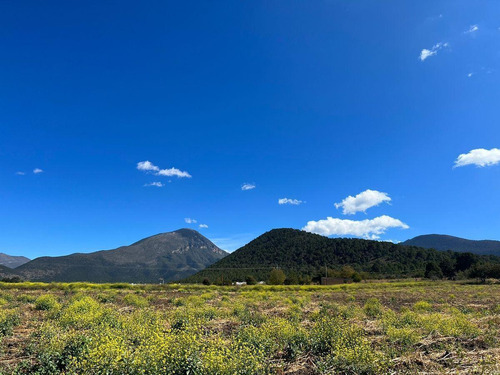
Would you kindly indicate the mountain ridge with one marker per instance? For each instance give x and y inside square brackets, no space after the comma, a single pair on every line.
[446,242]
[12,261]
[168,256]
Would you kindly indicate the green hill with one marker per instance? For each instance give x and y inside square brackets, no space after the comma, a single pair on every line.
[305,255]
[170,256]
[444,242]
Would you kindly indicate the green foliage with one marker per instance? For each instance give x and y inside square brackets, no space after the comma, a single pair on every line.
[135,300]
[422,306]
[47,302]
[276,277]
[432,271]
[250,280]
[373,308]
[8,320]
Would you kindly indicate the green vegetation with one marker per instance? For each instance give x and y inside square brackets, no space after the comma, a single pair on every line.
[306,257]
[363,328]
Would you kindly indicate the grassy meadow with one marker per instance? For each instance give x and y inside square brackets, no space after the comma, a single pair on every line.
[366,328]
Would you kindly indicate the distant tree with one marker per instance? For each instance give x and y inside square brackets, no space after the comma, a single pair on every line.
[277,277]
[223,281]
[485,271]
[347,272]
[465,261]
[448,267]
[432,271]
[356,277]
[206,281]
[305,280]
[292,279]
[13,279]
[250,280]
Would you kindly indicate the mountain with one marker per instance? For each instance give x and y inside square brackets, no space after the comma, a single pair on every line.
[170,256]
[443,242]
[12,261]
[6,272]
[304,254]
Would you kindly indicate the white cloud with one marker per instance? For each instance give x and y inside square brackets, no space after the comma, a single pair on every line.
[37,170]
[369,228]
[147,166]
[295,202]
[472,29]
[362,201]
[20,173]
[247,186]
[426,53]
[156,183]
[190,221]
[173,172]
[470,74]
[479,157]
[203,226]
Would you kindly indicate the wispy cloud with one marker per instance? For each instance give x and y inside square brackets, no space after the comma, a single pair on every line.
[479,157]
[147,166]
[203,226]
[19,173]
[362,201]
[190,221]
[248,186]
[37,170]
[472,29]
[426,53]
[173,172]
[156,183]
[294,202]
[369,228]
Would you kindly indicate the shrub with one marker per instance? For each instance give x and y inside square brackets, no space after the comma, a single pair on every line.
[47,302]
[8,320]
[276,277]
[135,300]
[26,298]
[373,308]
[422,306]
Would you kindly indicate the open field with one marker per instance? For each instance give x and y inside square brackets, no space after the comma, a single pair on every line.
[366,328]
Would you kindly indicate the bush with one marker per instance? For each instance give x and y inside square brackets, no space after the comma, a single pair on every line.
[135,300]
[422,306]
[47,302]
[277,277]
[8,320]
[373,308]
[357,278]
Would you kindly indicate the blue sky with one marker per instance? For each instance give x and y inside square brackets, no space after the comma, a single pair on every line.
[313,101]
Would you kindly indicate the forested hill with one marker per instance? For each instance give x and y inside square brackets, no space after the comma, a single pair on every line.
[304,254]
[444,242]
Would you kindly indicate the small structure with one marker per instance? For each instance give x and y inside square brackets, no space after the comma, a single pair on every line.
[334,280]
